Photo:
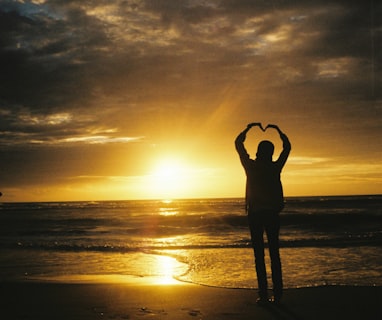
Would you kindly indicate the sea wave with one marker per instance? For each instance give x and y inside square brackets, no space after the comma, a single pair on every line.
[339,242]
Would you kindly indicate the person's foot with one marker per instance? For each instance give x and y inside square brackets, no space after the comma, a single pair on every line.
[276,299]
[262,301]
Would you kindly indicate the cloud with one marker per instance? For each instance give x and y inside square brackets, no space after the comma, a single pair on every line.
[306,160]
[59,52]
[99,73]
[44,58]
[20,127]
[144,59]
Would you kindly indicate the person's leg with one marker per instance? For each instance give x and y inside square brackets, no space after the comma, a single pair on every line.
[272,231]
[257,238]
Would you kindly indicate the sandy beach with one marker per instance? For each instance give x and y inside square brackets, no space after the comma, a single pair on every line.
[82,301]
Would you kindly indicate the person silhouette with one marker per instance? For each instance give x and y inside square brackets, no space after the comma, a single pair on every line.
[264,202]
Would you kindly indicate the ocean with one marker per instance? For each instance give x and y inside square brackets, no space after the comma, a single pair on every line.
[324,241]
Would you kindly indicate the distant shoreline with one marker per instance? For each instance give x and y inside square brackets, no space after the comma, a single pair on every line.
[204,199]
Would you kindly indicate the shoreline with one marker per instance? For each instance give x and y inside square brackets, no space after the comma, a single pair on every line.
[113,300]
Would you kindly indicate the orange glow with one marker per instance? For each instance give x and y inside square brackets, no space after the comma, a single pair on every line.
[171,178]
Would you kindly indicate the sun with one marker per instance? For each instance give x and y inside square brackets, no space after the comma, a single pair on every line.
[169,169]
[171,178]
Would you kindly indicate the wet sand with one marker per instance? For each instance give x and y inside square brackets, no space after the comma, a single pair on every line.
[83,301]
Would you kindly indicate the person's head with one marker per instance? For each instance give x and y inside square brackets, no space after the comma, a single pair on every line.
[265,150]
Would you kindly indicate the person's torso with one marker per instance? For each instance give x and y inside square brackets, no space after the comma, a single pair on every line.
[264,188]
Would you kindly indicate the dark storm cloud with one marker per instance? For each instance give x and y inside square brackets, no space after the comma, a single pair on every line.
[43,62]
[315,33]
[56,54]
[100,71]
[70,56]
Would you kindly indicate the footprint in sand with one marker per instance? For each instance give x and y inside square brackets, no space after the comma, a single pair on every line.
[146,311]
[194,312]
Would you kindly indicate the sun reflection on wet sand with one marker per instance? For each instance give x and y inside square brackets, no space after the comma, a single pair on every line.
[149,268]
[166,269]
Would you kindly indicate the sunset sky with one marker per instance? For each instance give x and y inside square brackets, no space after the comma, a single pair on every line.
[120,99]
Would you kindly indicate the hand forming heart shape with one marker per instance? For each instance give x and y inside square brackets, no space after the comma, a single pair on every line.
[258,124]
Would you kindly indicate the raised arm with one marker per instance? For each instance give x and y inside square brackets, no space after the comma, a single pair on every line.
[286,146]
[239,143]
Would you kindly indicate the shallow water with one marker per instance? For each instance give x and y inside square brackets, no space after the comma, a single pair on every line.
[324,241]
